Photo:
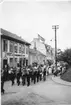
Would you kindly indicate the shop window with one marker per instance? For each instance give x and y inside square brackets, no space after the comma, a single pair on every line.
[5,45]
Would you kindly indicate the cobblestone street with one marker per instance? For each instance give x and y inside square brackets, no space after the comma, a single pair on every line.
[42,93]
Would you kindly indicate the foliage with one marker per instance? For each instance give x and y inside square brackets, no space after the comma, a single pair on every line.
[65,56]
[67,75]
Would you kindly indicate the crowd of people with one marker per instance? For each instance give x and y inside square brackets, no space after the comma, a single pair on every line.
[27,75]
[24,75]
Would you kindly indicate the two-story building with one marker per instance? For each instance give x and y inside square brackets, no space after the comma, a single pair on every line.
[14,49]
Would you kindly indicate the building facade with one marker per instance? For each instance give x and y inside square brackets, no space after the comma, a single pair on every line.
[36,56]
[14,50]
[39,45]
[45,49]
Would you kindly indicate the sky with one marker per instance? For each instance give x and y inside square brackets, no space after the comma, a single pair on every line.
[30,18]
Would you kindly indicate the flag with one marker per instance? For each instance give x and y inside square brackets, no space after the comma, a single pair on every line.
[41,38]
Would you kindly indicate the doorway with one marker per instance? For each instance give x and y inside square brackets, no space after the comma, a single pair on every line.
[4,62]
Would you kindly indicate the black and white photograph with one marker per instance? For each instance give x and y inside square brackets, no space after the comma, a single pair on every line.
[35,52]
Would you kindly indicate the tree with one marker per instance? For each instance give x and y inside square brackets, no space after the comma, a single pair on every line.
[59,54]
[65,56]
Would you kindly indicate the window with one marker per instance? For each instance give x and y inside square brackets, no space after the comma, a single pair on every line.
[23,49]
[27,50]
[15,59]
[20,48]
[5,45]
[11,46]
[15,48]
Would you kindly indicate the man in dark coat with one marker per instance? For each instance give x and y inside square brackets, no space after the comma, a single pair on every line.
[40,74]
[18,75]
[12,75]
[28,77]
[24,76]
[44,74]
[2,81]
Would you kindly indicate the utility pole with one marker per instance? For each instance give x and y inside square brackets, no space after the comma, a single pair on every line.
[0,54]
[36,51]
[55,27]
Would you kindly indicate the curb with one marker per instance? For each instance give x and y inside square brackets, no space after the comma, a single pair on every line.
[61,82]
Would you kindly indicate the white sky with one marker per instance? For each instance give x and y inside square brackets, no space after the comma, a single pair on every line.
[26,19]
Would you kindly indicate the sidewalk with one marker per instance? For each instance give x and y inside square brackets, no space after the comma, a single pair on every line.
[60,81]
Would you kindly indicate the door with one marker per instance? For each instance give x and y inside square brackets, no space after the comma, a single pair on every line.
[4,62]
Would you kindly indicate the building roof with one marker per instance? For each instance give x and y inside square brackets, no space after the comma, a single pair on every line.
[7,34]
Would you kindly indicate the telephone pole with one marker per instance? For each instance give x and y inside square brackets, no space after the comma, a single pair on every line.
[55,27]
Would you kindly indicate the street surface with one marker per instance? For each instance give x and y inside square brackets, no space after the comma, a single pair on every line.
[42,93]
